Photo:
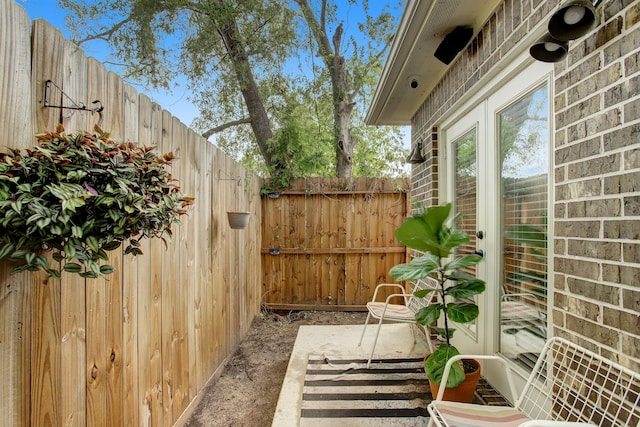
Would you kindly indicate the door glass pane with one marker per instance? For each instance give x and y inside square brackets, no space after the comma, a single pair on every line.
[524,144]
[465,197]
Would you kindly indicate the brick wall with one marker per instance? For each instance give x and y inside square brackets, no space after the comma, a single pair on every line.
[597,186]
[596,165]
[511,21]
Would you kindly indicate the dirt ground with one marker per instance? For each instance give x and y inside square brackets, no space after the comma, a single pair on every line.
[246,394]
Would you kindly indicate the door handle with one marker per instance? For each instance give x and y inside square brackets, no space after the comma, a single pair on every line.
[479,252]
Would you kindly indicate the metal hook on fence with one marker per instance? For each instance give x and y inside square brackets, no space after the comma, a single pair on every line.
[229,177]
[77,106]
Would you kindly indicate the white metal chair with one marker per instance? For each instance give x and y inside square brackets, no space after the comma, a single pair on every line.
[519,311]
[569,386]
[402,313]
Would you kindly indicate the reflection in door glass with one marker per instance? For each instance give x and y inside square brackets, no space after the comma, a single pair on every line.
[524,145]
[465,198]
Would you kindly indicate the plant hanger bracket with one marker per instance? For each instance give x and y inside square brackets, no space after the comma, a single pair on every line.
[77,106]
[228,177]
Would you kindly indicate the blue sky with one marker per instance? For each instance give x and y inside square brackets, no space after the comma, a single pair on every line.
[175,101]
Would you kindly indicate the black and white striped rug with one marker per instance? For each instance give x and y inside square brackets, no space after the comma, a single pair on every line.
[339,390]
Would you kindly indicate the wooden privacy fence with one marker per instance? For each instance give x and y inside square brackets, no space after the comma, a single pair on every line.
[138,347]
[327,243]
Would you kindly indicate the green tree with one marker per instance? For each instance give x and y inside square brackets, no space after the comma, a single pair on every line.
[219,45]
[348,66]
[238,58]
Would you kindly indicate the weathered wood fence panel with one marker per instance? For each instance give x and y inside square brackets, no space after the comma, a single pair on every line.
[138,347]
[16,124]
[335,239]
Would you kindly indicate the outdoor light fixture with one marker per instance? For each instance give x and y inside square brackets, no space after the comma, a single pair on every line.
[415,157]
[573,20]
[548,49]
[453,43]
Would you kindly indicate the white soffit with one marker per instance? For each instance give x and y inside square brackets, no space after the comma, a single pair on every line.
[423,25]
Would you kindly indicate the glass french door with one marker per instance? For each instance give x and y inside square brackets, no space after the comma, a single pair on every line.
[497,176]
[523,135]
[463,139]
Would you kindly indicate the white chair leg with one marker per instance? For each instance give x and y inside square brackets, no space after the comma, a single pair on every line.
[366,322]
[430,345]
[375,341]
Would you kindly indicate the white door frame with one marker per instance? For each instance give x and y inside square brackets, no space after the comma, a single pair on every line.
[471,339]
[519,77]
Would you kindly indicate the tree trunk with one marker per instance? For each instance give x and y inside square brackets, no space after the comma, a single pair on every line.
[342,96]
[259,119]
[342,110]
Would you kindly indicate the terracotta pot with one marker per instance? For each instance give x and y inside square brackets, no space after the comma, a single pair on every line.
[465,391]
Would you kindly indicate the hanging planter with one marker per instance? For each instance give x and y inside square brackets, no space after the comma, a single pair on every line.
[80,195]
[238,220]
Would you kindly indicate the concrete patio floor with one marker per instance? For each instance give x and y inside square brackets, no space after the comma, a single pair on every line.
[396,340]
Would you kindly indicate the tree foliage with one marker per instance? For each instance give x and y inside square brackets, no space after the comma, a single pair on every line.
[261,74]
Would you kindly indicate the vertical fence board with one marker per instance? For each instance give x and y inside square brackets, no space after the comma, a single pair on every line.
[229,237]
[96,294]
[240,282]
[200,311]
[47,62]
[74,83]
[180,356]
[15,347]
[206,229]
[190,261]
[168,257]
[147,336]
[45,347]
[150,281]
[114,103]
[217,300]
[17,127]
[212,355]
[130,271]
[73,304]
[254,275]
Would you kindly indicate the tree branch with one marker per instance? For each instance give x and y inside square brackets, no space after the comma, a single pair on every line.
[318,30]
[359,82]
[323,16]
[227,125]
[337,39]
[105,35]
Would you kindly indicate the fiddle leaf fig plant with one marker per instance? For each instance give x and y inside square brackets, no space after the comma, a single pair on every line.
[432,232]
[81,195]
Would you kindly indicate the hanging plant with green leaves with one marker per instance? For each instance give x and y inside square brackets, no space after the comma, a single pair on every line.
[81,195]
